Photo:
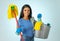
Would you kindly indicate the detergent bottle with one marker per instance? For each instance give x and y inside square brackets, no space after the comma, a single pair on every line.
[38,24]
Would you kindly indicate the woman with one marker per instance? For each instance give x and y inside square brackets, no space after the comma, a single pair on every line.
[26,26]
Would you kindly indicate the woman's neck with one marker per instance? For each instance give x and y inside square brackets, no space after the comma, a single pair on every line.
[26,18]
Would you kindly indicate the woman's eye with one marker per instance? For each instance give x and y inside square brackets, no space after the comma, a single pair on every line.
[25,10]
[28,10]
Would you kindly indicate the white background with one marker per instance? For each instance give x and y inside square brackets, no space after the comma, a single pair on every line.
[50,10]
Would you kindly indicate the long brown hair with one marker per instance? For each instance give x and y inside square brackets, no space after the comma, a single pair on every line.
[22,15]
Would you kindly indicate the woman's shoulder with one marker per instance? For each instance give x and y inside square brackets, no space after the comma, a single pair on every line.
[20,19]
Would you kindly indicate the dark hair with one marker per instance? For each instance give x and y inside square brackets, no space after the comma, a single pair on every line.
[22,15]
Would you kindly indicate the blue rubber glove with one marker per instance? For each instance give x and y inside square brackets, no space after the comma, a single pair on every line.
[18,31]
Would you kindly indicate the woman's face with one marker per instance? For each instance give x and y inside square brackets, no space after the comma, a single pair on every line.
[26,11]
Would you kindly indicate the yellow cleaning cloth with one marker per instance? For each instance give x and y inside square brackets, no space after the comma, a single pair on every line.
[11,13]
[38,25]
